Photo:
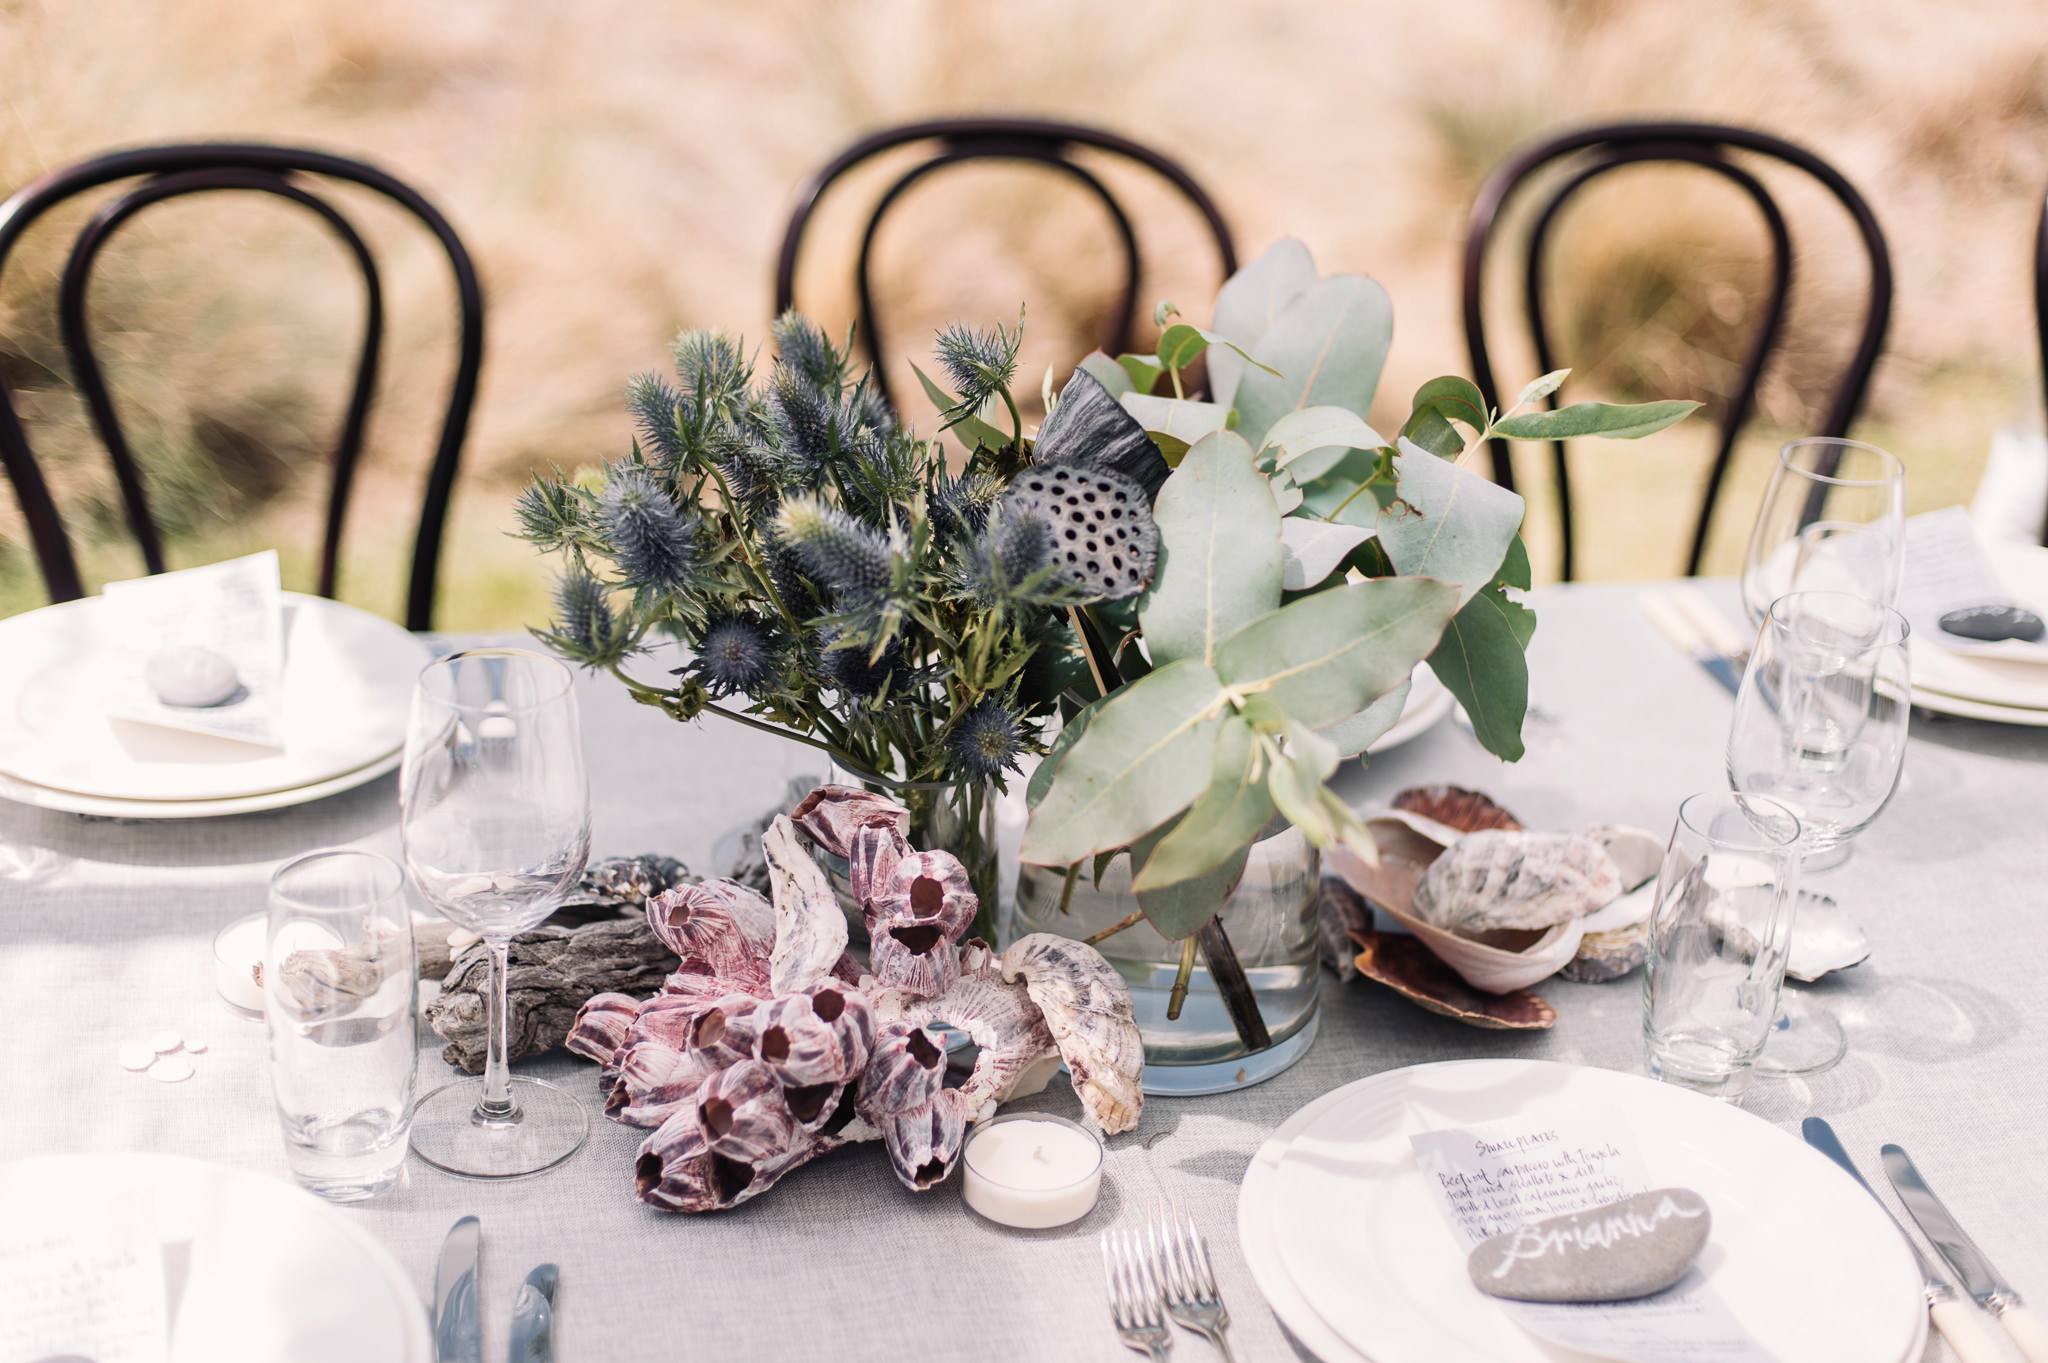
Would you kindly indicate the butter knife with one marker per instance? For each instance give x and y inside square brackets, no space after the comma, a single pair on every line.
[458,1321]
[1683,635]
[1980,1279]
[1958,1318]
[533,1317]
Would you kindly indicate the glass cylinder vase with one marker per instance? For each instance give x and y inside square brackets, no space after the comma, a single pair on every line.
[1268,924]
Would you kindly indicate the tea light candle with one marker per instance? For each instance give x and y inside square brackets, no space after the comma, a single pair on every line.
[1032,1170]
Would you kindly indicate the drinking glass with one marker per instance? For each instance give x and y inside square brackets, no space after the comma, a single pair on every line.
[338,996]
[495,815]
[1720,932]
[1833,519]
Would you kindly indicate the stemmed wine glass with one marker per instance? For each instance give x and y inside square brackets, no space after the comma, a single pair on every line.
[495,816]
[1820,726]
[1833,519]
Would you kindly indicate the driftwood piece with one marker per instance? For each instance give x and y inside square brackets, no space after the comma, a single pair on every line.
[554,971]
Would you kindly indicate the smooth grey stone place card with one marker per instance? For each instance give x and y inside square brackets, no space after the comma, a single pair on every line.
[1617,1252]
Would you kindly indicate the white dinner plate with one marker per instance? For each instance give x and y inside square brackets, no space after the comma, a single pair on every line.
[255,1270]
[1429,700]
[348,683]
[70,802]
[1977,709]
[1805,1259]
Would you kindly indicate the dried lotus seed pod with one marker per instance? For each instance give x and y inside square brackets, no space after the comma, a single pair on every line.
[924,1143]
[724,1033]
[744,1114]
[906,1068]
[830,816]
[600,1028]
[1104,540]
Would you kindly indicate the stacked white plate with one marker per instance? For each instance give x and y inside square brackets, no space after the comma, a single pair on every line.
[348,682]
[1347,1245]
[2008,684]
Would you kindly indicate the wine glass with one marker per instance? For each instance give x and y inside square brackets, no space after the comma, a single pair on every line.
[1820,726]
[495,816]
[1832,519]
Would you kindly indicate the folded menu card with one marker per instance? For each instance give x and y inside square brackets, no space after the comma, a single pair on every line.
[203,621]
[94,1289]
[1949,570]
[1495,1176]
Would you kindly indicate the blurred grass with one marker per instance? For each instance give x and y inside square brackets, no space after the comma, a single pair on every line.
[620,171]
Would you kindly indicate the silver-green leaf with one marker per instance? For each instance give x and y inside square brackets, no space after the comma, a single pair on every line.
[1220,558]
[1596,418]
[1225,819]
[1449,523]
[1248,303]
[1324,657]
[1328,346]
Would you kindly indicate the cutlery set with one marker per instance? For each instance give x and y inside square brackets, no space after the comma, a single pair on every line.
[1159,1274]
[458,1317]
[1962,1327]
[1695,626]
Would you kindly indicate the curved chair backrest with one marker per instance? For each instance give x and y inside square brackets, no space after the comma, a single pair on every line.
[972,139]
[169,172]
[1591,153]
[2041,315]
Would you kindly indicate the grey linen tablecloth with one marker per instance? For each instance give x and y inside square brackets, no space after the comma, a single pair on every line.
[105,929]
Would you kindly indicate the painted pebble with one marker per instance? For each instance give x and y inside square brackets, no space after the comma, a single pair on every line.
[136,1056]
[1993,622]
[1626,1249]
[191,677]
[172,1070]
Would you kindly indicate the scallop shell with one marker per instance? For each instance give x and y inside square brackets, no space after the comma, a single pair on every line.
[810,930]
[1468,811]
[1518,881]
[1615,938]
[1088,1009]
[1407,967]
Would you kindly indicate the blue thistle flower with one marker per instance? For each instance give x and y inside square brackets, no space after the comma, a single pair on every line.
[655,407]
[838,550]
[735,655]
[987,739]
[583,616]
[979,363]
[805,351]
[960,508]
[712,370]
[658,547]
[848,668]
[1013,561]
[804,422]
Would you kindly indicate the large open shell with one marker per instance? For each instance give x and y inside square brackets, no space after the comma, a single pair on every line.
[1407,967]
[810,929]
[1016,1052]
[1088,1008]
[831,815]
[1515,880]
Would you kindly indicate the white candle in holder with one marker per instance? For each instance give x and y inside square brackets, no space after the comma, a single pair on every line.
[1032,1170]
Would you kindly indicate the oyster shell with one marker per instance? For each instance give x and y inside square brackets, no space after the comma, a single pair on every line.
[831,815]
[1088,1009]
[1406,966]
[1468,811]
[1017,1055]
[1518,881]
[1823,939]
[1615,938]
[1637,852]
[810,930]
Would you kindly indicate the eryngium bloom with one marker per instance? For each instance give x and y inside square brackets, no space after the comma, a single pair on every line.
[803,348]
[654,406]
[979,363]
[838,550]
[849,670]
[582,615]
[987,740]
[657,546]
[735,655]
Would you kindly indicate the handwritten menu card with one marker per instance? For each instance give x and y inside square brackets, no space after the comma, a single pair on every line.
[1496,1176]
[94,1289]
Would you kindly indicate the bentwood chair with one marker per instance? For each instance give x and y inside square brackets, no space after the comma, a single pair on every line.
[954,141]
[2041,314]
[168,172]
[1567,164]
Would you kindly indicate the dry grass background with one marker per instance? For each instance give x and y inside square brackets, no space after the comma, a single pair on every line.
[622,169]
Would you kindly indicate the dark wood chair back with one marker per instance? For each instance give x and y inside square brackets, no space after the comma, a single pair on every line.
[169,172]
[1591,153]
[971,139]
[2041,316]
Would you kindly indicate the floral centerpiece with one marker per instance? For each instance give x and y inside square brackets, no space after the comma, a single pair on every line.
[1222,596]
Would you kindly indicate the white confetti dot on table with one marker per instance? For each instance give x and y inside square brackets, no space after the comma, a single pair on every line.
[163,1043]
[195,1047]
[174,1069]
[136,1056]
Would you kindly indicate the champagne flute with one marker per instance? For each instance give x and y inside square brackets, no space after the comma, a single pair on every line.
[495,817]
[1833,519]
[1820,726]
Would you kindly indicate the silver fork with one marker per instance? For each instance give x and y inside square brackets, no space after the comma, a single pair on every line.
[1134,1298]
[1182,1254]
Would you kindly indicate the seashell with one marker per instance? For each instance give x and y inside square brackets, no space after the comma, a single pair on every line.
[1087,1008]
[1615,938]
[1339,913]
[924,1143]
[678,1171]
[810,930]
[915,921]
[1016,1052]
[715,929]
[1468,811]
[876,850]
[831,815]
[1637,852]
[1823,939]
[1519,881]
[906,1067]
[600,1028]
[620,886]
[813,1039]
[655,1081]
[723,1034]
[744,1115]
[1406,966]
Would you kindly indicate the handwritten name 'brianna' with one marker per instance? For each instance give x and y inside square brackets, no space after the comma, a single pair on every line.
[1599,1233]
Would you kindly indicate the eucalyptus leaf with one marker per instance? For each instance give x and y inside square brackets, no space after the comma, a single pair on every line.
[1310,442]
[1354,735]
[1313,549]
[1248,303]
[1107,372]
[1102,863]
[1437,404]
[1481,660]
[1296,793]
[1596,418]
[1227,817]
[1142,372]
[1326,656]
[1449,524]
[1180,345]
[1340,493]
[1286,493]
[1327,347]
[1179,910]
[1542,388]
[1175,423]
[1146,756]
[1220,557]
[1041,778]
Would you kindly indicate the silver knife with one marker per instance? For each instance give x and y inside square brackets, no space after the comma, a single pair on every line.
[1686,637]
[1958,1319]
[1980,1279]
[458,1321]
[533,1317]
